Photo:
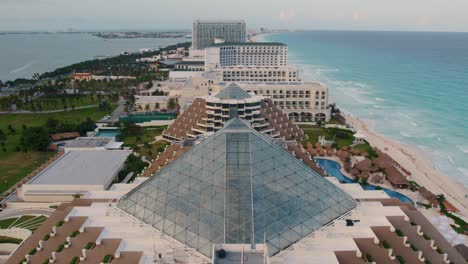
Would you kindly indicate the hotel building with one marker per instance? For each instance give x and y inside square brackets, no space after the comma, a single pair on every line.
[246,54]
[259,73]
[205,32]
[209,113]
[302,101]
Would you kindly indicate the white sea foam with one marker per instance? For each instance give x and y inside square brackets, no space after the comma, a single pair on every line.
[380,99]
[23,68]
[450,159]
[464,171]
[404,115]
[413,124]
[404,134]
[464,149]
[377,106]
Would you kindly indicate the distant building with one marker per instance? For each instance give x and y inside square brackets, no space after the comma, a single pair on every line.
[151,103]
[302,101]
[82,76]
[205,32]
[189,66]
[246,54]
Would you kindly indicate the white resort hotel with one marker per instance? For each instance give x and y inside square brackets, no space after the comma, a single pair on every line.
[234,183]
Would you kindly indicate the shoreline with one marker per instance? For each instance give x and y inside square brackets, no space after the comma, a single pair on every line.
[421,168]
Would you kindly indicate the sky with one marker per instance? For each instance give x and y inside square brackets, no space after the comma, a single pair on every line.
[412,15]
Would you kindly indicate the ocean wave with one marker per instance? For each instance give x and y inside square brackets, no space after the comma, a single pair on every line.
[404,115]
[450,159]
[464,171]
[405,134]
[380,99]
[377,106]
[23,68]
[413,124]
[464,149]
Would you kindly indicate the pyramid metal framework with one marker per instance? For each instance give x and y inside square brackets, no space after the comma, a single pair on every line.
[237,187]
[233,91]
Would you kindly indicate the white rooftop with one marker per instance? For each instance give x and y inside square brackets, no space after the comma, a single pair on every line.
[95,167]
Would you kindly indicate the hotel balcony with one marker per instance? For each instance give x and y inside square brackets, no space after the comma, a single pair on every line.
[197,130]
[191,135]
[260,124]
[253,107]
[269,130]
[213,107]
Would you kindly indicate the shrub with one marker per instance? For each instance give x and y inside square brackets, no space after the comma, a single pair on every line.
[399,233]
[413,247]
[107,259]
[401,260]
[369,258]
[46,237]
[60,248]
[74,233]
[32,251]
[439,251]
[90,245]
[74,260]
[385,244]
[412,223]
[53,207]
[60,223]
[46,261]
[426,237]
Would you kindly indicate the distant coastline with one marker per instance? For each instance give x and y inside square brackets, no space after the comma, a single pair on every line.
[24,54]
[130,35]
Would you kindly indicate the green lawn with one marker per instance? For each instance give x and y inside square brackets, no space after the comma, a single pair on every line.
[16,165]
[149,133]
[59,102]
[341,137]
[54,103]
[9,240]
[5,223]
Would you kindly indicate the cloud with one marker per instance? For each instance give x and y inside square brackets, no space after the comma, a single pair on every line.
[423,21]
[287,14]
[356,16]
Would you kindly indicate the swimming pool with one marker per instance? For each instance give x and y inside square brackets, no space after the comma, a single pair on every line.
[108,133]
[147,117]
[333,168]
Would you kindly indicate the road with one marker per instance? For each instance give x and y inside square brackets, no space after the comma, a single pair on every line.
[118,112]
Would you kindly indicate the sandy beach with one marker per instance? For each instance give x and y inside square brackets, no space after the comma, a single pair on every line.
[421,168]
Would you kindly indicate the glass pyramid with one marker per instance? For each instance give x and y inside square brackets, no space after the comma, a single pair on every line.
[232,92]
[237,187]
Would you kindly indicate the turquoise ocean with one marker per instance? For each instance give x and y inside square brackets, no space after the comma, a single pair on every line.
[409,86]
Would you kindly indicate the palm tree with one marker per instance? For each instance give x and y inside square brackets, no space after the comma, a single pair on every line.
[156,106]
[440,198]
[147,108]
